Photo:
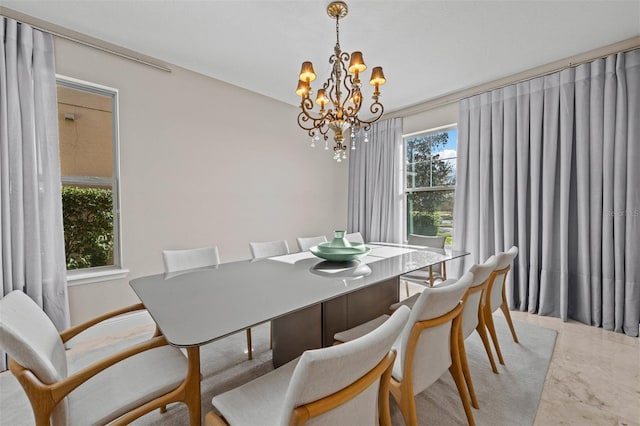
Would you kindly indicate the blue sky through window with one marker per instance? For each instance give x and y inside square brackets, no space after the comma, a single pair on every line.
[449,151]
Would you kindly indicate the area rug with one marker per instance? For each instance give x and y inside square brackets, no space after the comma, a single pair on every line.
[508,398]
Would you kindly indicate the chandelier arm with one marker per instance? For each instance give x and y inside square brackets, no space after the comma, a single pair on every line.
[347,82]
[321,130]
[315,122]
[377,110]
[309,123]
[353,92]
[307,109]
[352,110]
[333,96]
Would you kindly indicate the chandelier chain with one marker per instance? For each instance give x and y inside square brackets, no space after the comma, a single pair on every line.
[338,32]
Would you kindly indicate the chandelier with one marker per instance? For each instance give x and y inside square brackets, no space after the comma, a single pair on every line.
[340,98]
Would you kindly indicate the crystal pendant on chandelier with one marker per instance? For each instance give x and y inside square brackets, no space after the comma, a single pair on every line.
[340,98]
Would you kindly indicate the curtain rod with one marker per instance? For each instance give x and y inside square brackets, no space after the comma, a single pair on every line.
[83,39]
[540,71]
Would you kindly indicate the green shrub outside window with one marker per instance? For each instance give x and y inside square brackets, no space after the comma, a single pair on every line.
[87,214]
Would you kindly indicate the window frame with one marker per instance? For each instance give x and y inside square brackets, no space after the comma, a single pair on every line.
[115,271]
[405,190]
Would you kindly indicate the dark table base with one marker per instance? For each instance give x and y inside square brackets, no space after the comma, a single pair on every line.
[314,327]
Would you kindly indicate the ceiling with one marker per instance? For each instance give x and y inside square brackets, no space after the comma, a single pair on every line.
[427,48]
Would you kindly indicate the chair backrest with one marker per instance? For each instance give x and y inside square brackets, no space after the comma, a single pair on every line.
[264,249]
[182,260]
[499,277]
[323,372]
[424,344]
[476,294]
[32,341]
[433,241]
[305,243]
[355,237]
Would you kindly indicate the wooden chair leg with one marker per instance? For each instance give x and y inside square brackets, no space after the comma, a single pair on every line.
[467,374]
[249,345]
[403,395]
[456,371]
[488,320]
[384,412]
[163,409]
[507,315]
[482,331]
[42,415]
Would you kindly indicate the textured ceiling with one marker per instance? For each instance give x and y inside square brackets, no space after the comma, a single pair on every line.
[427,48]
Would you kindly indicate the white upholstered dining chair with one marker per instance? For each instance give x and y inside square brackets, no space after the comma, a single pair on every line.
[119,388]
[355,237]
[426,276]
[427,347]
[339,385]
[496,297]
[472,316]
[183,260]
[262,249]
[305,243]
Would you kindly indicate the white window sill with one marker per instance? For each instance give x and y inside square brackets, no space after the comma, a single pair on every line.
[79,277]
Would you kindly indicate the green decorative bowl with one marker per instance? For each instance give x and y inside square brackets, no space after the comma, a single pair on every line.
[339,256]
[328,248]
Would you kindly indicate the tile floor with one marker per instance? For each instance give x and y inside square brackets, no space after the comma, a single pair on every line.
[593,378]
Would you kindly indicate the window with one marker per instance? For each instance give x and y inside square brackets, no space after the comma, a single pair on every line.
[430,178]
[88,131]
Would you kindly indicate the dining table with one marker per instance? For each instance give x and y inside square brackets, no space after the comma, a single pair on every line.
[307,299]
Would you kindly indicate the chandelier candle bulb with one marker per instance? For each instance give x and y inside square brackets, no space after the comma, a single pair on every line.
[357,65]
[339,98]
[303,89]
[321,99]
[377,80]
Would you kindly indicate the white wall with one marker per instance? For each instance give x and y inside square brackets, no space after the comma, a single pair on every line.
[203,162]
[429,119]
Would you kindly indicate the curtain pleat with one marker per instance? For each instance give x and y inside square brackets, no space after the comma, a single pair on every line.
[31,231]
[522,217]
[375,184]
[632,218]
[550,165]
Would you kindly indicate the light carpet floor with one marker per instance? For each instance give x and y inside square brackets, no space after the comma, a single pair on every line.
[508,398]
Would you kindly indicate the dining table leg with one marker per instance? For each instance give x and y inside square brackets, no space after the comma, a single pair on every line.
[192,390]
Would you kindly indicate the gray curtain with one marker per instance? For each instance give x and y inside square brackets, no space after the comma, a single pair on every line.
[552,165]
[31,233]
[375,184]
